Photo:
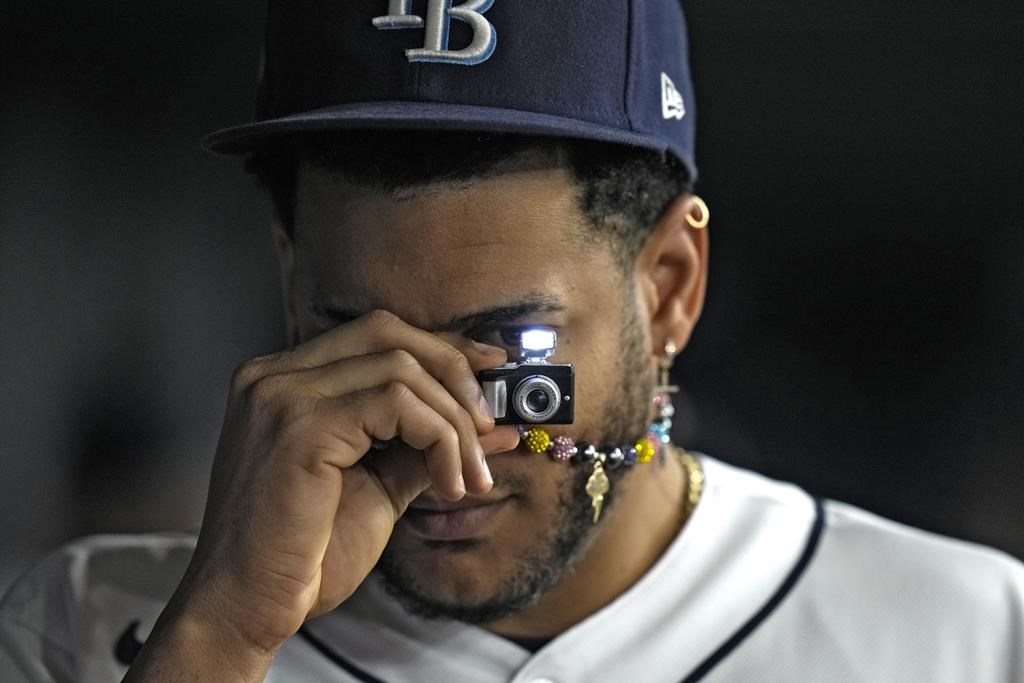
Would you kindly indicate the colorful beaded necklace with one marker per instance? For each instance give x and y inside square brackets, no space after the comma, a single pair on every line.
[562,448]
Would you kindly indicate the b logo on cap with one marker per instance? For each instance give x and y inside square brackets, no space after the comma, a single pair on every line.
[439,16]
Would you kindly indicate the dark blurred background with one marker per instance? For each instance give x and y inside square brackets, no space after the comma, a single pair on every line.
[864,321]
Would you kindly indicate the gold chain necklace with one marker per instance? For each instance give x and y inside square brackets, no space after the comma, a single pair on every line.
[694,475]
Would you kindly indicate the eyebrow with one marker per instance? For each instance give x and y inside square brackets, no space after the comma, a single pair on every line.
[531,304]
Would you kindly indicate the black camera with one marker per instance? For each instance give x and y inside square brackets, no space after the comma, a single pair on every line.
[534,391]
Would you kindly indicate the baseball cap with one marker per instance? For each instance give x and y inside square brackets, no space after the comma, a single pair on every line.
[608,70]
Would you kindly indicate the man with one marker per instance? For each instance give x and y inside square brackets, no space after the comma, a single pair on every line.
[449,179]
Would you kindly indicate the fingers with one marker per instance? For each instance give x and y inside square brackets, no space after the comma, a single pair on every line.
[451,360]
[384,378]
[355,374]
[392,409]
[400,368]
[500,440]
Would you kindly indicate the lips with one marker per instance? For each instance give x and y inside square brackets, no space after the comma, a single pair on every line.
[461,520]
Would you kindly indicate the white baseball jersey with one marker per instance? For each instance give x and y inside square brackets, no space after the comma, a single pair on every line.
[764,583]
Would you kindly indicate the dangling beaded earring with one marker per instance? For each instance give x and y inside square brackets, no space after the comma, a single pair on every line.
[664,365]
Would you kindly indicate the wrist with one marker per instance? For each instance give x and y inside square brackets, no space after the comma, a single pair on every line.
[191,641]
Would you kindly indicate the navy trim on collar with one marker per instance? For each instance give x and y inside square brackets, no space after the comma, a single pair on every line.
[348,666]
[801,565]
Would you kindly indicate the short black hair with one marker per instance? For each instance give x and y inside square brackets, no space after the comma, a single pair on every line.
[623,190]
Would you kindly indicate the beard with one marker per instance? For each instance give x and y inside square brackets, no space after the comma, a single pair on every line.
[553,556]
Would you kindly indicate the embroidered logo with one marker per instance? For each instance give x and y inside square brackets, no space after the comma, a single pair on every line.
[672,106]
[128,645]
[436,25]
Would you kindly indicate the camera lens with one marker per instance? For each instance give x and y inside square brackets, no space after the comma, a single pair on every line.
[537,401]
[537,398]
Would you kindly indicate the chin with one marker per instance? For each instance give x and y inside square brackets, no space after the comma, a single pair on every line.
[462,571]
[460,581]
[482,566]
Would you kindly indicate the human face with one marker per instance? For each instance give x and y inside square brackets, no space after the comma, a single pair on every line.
[512,242]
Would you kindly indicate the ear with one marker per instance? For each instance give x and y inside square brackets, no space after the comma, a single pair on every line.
[285,248]
[671,273]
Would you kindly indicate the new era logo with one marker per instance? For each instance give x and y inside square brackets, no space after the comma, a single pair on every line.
[672,106]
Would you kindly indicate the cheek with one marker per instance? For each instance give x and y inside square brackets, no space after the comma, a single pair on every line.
[537,480]
[538,508]
[594,351]
[301,294]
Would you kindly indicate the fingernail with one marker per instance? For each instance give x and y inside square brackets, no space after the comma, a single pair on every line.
[460,484]
[485,409]
[483,464]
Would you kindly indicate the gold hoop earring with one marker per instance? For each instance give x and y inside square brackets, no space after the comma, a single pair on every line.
[705,214]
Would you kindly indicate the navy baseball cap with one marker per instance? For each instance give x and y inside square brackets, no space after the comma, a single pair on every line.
[607,70]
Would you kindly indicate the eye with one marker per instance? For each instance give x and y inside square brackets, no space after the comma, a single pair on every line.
[505,337]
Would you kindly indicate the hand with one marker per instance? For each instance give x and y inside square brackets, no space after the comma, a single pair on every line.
[298,514]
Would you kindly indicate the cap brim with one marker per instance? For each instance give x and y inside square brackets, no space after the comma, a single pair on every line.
[419,115]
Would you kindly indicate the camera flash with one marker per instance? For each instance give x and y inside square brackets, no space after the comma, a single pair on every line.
[537,343]
[538,339]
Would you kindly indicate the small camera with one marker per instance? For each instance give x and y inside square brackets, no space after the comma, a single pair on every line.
[534,391]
